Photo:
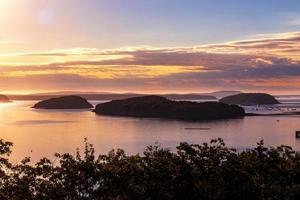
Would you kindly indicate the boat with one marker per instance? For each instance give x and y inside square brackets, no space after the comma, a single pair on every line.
[298,134]
[196,128]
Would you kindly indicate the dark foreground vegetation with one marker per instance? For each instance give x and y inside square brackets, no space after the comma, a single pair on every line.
[161,107]
[207,171]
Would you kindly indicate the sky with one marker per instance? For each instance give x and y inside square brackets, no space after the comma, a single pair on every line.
[150,46]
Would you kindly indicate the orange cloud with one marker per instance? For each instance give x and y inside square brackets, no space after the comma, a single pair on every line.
[265,62]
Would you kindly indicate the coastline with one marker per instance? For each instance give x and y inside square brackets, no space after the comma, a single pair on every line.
[273,114]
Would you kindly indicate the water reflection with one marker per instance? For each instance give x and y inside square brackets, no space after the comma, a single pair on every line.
[42,133]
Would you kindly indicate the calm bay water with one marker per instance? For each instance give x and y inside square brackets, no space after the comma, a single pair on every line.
[39,133]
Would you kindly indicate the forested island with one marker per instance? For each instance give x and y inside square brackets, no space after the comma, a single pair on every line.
[161,107]
[250,99]
[64,102]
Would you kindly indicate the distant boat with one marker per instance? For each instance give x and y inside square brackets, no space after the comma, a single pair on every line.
[196,128]
[298,134]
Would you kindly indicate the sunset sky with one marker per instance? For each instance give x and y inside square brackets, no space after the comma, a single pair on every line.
[151,46]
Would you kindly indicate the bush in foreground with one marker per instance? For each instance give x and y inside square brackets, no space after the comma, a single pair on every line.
[207,171]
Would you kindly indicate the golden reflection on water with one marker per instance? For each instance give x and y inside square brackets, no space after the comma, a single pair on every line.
[6,105]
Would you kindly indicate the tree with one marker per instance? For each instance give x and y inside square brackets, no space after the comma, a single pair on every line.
[208,171]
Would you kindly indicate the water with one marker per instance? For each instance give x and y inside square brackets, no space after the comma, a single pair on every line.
[38,133]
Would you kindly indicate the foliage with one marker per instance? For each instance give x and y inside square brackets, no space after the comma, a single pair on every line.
[207,171]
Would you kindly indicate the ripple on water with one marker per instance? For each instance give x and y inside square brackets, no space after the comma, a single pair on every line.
[40,122]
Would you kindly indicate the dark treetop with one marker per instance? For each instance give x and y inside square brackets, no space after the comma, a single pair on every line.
[3,98]
[160,107]
[66,102]
[250,99]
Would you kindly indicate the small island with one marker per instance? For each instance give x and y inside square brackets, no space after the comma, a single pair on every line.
[250,99]
[161,107]
[190,97]
[65,102]
[4,99]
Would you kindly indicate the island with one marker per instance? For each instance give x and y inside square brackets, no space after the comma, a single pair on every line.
[250,99]
[160,107]
[224,93]
[65,102]
[4,99]
[190,97]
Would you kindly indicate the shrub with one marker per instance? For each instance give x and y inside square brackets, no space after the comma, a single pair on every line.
[208,171]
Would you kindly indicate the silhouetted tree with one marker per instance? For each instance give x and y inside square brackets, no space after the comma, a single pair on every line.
[207,171]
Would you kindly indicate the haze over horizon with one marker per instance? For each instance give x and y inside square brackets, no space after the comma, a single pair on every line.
[156,46]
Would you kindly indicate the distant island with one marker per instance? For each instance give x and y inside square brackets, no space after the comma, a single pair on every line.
[4,99]
[109,96]
[65,102]
[161,107]
[224,93]
[190,97]
[250,99]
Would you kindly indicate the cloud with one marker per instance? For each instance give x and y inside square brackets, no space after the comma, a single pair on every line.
[294,21]
[266,62]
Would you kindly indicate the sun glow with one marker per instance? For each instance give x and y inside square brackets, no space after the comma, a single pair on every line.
[5,6]
[5,106]
[4,3]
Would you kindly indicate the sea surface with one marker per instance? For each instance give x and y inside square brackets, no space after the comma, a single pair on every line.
[41,133]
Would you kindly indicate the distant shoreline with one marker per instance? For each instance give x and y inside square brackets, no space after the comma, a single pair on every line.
[273,114]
